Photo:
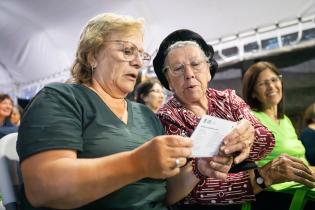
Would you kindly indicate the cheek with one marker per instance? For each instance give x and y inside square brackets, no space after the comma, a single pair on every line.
[173,83]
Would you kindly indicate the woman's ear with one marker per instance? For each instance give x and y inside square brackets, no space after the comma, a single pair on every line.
[209,76]
[91,60]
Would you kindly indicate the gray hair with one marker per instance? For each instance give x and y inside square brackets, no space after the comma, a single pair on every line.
[181,44]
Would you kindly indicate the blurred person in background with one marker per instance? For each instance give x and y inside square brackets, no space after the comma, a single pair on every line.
[150,92]
[308,133]
[16,115]
[6,107]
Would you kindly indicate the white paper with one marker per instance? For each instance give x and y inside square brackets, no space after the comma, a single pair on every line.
[208,136]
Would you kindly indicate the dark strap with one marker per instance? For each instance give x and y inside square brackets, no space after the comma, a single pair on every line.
[243,166]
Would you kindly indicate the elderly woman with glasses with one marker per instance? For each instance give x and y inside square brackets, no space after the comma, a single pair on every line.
[83,145]
[263,91]
[184,64]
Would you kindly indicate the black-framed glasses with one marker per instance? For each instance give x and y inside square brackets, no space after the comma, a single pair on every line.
[267,82]
[131,52]
[178,69]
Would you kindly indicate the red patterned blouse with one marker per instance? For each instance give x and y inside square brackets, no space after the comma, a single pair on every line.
[177,120]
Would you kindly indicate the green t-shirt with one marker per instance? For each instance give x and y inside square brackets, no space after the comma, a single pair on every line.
[71,116]
[285,137]
[286,142]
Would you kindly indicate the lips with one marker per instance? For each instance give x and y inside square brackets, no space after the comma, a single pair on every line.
[190,86]
[133,75]
[271,94]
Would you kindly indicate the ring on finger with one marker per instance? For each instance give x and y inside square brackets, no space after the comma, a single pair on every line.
[248,143]
[177,163]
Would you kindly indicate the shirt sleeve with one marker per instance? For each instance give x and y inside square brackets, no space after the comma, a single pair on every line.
[236,189]
[264,140]
[51,121]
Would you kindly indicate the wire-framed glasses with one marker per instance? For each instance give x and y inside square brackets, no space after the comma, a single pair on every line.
[178,69]
[131,52]
[267,82]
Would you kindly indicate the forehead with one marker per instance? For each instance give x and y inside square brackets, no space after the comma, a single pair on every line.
[6,100]
[183,52]
[135,37]
[156,86]
[266,74]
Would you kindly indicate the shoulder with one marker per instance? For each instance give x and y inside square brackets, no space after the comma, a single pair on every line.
[64,89]
[287,120]
[261,116]
[169,108]
[226,92]
[59,97]
[226,98]
[63,92]
[307,132]
[226,95]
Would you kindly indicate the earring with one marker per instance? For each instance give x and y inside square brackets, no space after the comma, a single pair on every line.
[93,69]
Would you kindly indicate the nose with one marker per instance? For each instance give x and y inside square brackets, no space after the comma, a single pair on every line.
[188,72]
[269,83]
[137,62]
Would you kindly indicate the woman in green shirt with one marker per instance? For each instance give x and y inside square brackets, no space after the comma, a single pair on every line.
[263,91]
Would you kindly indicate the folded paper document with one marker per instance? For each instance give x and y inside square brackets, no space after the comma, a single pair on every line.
[209,134]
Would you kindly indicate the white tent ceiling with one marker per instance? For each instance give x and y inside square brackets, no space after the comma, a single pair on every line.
[38,38]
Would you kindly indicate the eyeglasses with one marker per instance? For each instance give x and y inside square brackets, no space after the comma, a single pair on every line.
[131,52]
[178,69]
[267,82]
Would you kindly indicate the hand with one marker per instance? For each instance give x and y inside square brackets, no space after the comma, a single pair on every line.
[215,167]
[239,140]
[163,156]
[286,168]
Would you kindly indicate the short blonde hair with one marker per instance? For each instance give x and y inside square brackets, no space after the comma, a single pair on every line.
[92,39]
